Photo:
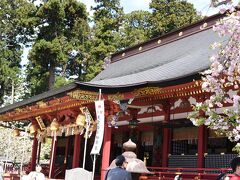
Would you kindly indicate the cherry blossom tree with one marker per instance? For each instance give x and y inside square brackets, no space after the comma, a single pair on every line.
[14,148]
[19,149]
[221,110]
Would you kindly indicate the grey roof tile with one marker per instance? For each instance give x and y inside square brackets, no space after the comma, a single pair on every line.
[181,58]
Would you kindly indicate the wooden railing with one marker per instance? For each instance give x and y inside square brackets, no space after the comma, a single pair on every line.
[186,173]
[59,171]
[14,168]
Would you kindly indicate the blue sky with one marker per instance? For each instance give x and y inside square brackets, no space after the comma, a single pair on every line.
[131,5]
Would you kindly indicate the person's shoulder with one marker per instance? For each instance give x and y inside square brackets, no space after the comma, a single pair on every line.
[118,169]
[125,172]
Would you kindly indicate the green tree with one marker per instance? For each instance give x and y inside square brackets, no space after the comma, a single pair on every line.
[168,15]
[18,90]
[107,19]
[59,48]
[15,27]
[136,28]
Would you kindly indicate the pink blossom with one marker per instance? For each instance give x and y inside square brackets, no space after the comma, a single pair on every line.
[205,85]
[226,63]
[219,104]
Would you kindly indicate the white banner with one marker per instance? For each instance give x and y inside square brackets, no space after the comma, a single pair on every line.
[99,106]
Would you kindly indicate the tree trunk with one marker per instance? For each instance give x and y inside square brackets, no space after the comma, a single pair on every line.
[1,92]
[51,79]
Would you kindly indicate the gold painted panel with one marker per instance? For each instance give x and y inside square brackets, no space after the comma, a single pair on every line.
[83,95]
[115,97]
[147,91]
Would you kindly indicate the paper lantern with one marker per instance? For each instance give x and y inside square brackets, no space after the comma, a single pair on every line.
[33,129]
[133,123]
[81,120]
[54,125]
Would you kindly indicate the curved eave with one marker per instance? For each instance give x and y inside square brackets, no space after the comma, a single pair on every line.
[40,97]
[94,86]
[106,89]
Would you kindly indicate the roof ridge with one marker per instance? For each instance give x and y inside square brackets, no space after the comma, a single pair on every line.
[174,35]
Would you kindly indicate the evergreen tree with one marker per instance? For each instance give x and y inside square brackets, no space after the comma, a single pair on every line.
[59,48]
[168,15]
[136,28]
[18,90]
[107,18]
[15,27]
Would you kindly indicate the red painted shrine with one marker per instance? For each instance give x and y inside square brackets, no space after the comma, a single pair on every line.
[149,89]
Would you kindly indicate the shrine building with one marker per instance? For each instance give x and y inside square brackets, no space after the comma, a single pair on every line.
[148,90]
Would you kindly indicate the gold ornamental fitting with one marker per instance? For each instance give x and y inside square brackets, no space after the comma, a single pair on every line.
[54,125]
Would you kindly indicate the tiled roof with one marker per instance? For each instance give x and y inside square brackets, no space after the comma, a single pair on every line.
[178,59]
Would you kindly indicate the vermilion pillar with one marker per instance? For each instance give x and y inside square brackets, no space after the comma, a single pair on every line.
[166,136]
[34,152]
[106,150]
[76,152]
[202,145]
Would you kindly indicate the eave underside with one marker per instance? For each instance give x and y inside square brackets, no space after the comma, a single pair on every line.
[77,97]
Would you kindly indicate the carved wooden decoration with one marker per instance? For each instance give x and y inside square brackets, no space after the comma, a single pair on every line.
[40,123]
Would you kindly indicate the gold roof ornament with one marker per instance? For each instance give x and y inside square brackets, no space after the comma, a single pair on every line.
[54,126]
[33,128]
[205,25]
[81,120]
[16,132]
